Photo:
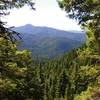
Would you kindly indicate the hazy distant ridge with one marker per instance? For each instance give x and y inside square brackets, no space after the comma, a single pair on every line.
[44,41]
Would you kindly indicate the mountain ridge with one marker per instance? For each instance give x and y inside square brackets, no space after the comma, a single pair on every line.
[48,42]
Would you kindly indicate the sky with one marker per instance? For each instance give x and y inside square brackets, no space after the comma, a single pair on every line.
[47,14]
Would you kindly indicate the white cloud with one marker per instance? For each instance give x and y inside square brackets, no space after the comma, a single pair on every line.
[47,14]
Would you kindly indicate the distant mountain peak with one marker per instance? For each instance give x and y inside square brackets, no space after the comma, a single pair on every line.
[28,26]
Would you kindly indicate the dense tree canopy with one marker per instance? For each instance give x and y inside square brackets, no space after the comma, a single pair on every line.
[14,64]
[87,12]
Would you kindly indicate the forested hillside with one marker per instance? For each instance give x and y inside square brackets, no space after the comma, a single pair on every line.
[74,76]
